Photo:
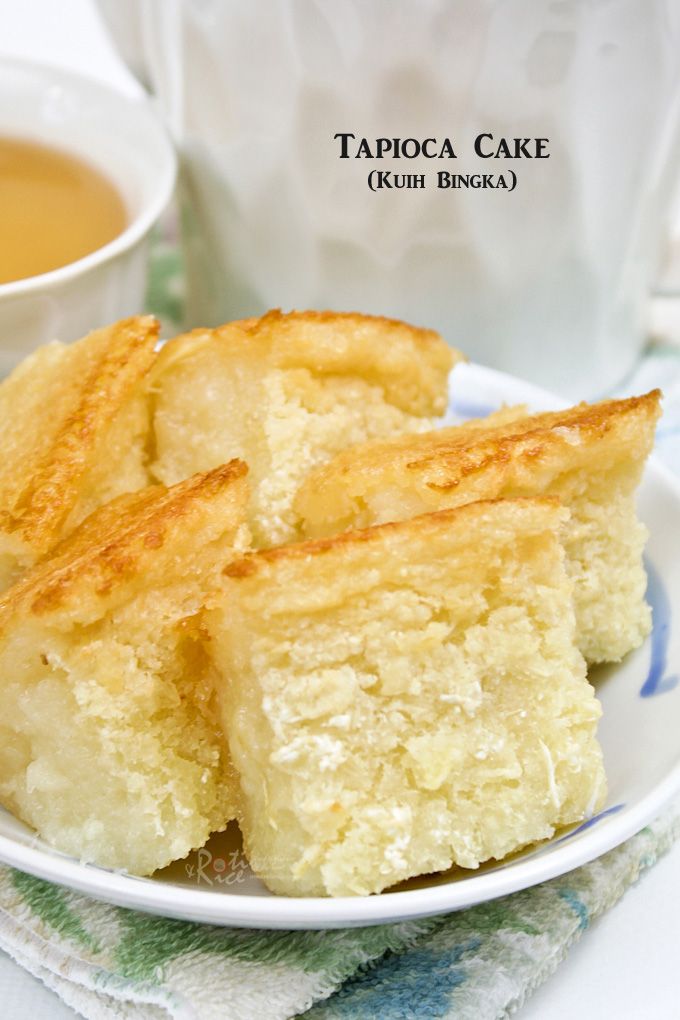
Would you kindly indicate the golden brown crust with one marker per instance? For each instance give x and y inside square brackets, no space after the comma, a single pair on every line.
[54,408]
[544,511]
[448,459]
[186,345]
[410,364]
[538,435]
[134,536]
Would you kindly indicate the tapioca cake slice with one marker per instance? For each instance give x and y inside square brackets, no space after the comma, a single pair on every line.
[110,743]
[590,456]
[73,433]
[286,392]
[405,698]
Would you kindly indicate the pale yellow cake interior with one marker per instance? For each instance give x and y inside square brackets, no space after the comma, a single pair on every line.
[405,698]
[110,743]
[287,392]
[590,456]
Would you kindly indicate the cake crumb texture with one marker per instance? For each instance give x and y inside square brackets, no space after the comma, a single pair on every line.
[110,741]
[405,698]
[286,392]
[590,456]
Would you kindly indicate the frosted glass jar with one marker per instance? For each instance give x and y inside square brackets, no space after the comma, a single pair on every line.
[550,282]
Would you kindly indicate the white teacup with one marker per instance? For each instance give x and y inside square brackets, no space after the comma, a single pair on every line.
[124,140]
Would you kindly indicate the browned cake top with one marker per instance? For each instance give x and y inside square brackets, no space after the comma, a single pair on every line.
[53,409]
[446,459]
[133,542]
[410,364]
[333,564]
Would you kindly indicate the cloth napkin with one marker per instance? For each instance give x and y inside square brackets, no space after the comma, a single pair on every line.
[477,964]
[108,963]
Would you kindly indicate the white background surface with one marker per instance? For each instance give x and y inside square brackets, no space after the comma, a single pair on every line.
[627,966]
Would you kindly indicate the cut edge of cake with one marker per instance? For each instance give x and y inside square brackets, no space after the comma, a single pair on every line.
[591,456]
[111,742]
[328,649]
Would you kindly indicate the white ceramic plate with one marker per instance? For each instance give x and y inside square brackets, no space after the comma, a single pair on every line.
[639,734]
